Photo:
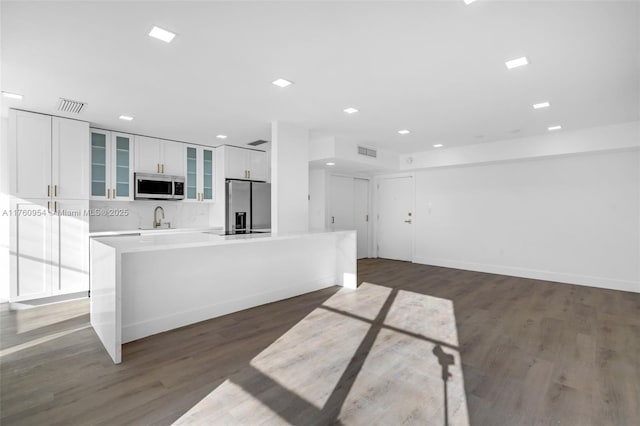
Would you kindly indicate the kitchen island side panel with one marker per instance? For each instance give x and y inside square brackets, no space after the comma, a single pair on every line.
[166,289]
[105,297]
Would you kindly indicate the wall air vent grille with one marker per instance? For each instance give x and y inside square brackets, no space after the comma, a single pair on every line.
[367,152]
[71,106]
[256,143]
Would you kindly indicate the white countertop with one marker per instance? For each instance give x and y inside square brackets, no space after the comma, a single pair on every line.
[151,231]
[168,241]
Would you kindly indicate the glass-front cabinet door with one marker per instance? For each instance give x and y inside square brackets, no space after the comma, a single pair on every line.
[122,166]
[207,174]
[199,179]
[100,142]
[192,192]
[111,165]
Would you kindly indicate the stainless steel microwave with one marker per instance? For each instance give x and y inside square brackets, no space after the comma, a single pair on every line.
[149,186]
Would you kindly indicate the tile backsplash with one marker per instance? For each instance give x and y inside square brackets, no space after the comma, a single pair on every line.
[128,215]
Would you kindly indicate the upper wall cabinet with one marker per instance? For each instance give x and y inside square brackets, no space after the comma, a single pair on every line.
[111,165]
[242,163]
[159,156]
[49,156]
[199,177]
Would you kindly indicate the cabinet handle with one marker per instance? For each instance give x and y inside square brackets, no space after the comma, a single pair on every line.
[55,190]
[55,206]
[333,219]
[113,193]
[48,190]
[158,167]
[249,172]
[163,168]
[48,206]
[108,193]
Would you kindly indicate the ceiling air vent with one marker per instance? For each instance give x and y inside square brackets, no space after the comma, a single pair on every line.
[367,151]
[258,142]
[68,105]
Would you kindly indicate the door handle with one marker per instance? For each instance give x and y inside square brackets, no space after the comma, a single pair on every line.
[407,221]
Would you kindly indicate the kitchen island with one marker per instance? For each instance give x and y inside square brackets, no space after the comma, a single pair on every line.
[146,284]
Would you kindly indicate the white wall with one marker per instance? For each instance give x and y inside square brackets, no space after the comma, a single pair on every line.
[572,219]
[595,139]
[289,178]
[140,215]
[317,199]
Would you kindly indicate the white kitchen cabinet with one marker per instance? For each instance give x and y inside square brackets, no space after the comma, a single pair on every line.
[258,165]
[70,158]
[111,165]
[70,247]
[49,176]
[159,156]
[173,158]
[30,154]
[30,249]
[199,166]
[49,156]
[242,163]
[147,155]
[49,251]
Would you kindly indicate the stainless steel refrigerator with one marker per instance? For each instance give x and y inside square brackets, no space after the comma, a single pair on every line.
[248,206]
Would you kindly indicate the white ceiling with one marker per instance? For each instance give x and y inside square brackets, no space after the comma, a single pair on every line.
[436,68]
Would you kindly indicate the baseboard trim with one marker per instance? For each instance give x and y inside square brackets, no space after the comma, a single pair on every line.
[135,331]
[584,280]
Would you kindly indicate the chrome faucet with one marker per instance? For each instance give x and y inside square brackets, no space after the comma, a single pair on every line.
[157,223]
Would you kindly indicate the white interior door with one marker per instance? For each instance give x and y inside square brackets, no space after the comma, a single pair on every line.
[395,218]
[341,203]
[361,215]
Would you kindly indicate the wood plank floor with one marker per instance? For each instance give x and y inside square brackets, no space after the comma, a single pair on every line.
[513,351]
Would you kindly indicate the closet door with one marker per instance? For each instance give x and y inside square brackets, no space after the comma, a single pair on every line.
[361,215]
[341,203]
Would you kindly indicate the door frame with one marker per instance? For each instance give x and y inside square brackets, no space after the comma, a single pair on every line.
[376,208]
[370,227]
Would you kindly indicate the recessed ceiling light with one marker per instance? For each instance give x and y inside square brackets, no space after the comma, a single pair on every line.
[125,118]
[541,105]
[12,95]
[467,2]
[438,145]
[515,63]
[221,136]
[351,110]
[552,128]
[331,164]
[162,34]
[404,132]
[281,82]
